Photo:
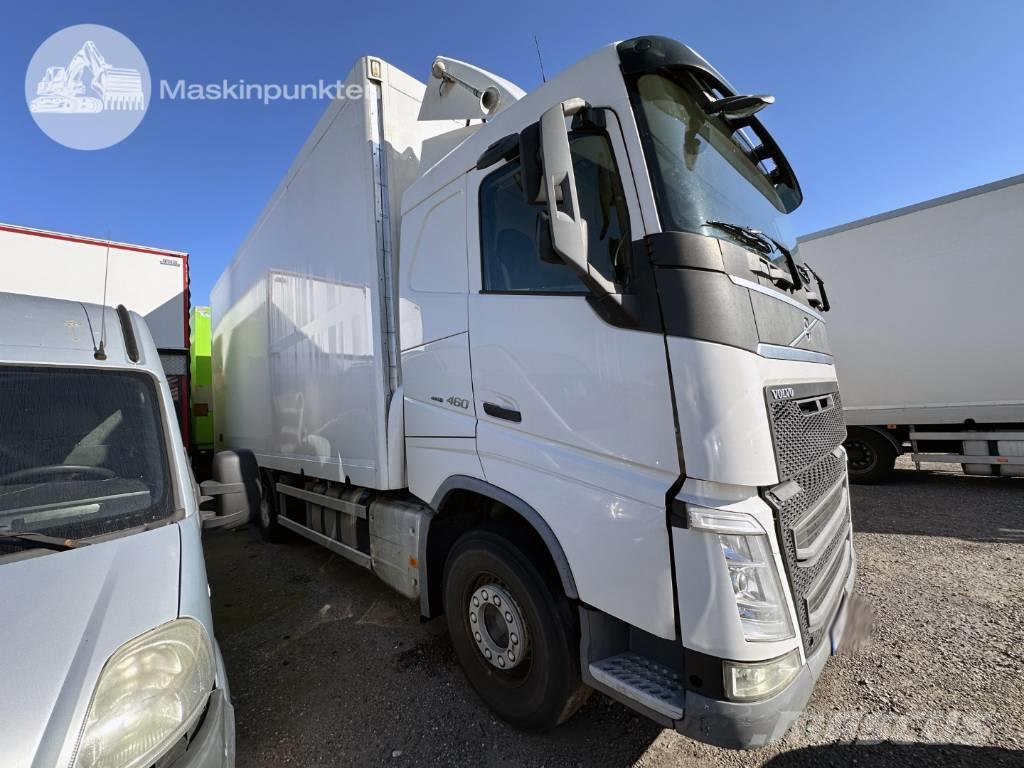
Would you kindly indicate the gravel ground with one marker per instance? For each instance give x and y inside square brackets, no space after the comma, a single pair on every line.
[329,667]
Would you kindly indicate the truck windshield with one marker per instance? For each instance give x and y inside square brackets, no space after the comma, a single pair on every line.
[82,452]
[702,177]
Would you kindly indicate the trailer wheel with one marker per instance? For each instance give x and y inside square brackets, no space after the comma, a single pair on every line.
[266,520]
[516,638]
[870,458]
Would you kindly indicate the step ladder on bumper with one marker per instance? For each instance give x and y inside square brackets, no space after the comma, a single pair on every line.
[653,685]
[657,692]
[641,671]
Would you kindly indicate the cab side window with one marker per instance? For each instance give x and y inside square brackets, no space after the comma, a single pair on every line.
[508,224]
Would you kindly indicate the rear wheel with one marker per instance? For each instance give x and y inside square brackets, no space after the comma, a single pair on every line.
[870,457]
[514,632]
[266,520]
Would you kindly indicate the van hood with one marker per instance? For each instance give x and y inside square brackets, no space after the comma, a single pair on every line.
[65,613]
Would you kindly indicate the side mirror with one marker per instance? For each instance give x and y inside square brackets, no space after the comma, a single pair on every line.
[567,227]
[234,490]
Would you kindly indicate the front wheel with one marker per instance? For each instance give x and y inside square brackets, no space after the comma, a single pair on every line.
[516,637]
[870,457]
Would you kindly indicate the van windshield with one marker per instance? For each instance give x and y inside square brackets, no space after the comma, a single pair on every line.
[82,452]
[702,177]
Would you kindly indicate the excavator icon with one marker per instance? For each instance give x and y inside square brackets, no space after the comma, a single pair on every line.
[62,90]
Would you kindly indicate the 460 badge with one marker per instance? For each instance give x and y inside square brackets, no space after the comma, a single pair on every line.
[458,402]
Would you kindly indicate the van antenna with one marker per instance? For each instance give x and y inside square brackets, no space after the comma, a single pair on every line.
[101,353]
[540,59]
[88,321]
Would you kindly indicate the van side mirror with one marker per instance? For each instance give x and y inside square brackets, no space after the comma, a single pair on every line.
[567,227]
[234,490]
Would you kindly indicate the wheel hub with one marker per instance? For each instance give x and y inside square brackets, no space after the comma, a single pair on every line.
[859,455]
[497,627]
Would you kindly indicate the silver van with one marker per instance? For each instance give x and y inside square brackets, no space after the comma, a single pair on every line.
[110,660]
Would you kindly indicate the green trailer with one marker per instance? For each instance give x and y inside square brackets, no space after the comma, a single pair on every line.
[201,390]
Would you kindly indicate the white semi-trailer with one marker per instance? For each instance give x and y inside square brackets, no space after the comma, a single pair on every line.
[150,281]
[541,362]
[929,356]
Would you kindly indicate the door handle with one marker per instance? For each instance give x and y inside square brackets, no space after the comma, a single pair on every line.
[499,412]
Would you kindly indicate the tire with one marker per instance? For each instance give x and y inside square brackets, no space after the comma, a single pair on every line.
[543,686]
[266,517]
[870,457]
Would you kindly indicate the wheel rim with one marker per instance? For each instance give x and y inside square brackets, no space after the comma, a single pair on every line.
[498,627]
[859,456]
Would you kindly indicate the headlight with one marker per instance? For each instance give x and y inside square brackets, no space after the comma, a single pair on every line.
[756,585]
[745,681]
[150,692]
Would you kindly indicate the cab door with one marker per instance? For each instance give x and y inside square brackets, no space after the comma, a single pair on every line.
[574,414]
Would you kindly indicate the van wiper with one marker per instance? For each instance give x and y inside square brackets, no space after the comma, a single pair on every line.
[756,240]
[40,541]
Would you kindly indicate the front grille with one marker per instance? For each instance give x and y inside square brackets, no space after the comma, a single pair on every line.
[815,483]
[817,525]
[805,427]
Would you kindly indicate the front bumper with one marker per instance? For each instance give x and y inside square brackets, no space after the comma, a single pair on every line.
[213,745]
[745,725]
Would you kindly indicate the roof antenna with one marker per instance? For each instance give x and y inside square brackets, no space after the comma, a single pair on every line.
[539,59]
[92,335]
[101,353]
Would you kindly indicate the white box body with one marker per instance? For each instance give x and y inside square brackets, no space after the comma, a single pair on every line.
[925,300]
[305,316]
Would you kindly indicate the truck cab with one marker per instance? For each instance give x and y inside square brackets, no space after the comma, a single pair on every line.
[550,364]
[112,659]
[651,378]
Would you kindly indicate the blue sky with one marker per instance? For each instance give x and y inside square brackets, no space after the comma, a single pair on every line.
[879,104]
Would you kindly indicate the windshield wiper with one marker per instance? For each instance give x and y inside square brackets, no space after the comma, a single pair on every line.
[822,297]
[773,272]
[40,541]
[798,281]
[757,240]
[765,244]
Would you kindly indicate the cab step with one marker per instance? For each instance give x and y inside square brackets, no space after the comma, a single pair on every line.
[642,680]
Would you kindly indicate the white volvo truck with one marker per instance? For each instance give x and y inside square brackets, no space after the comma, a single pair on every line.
[548,363]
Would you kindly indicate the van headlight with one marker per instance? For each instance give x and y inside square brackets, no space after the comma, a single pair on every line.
[760,601]
[150,692]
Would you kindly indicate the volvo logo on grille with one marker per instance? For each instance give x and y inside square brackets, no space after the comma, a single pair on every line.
[782,393]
